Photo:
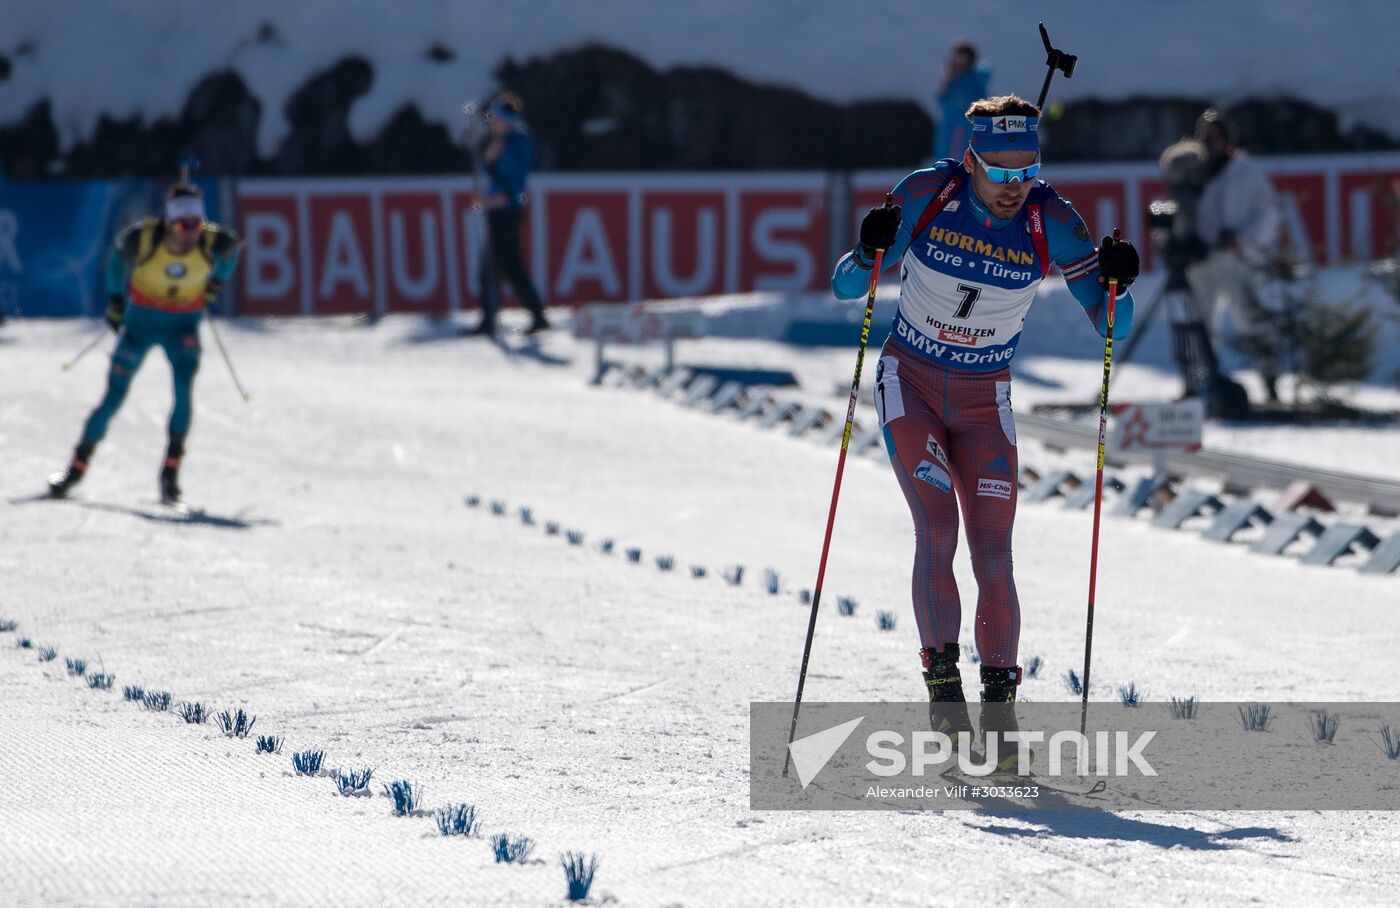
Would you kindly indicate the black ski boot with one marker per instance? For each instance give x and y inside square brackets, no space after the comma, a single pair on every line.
[947,707]
[170,474]
[60,483]
[999,712]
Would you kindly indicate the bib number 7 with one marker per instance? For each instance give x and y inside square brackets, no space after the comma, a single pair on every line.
[970,295]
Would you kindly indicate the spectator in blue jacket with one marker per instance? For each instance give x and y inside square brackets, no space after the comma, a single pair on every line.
[506,157]
[964,82]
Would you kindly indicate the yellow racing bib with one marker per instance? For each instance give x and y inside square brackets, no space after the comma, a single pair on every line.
[163,280]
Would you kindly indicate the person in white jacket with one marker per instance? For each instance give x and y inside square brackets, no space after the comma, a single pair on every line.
[1239,219]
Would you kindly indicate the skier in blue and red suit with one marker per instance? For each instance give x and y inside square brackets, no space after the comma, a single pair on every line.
[976,237]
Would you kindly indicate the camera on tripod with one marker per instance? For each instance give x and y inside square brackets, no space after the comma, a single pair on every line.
[1171,222]
[1173,237]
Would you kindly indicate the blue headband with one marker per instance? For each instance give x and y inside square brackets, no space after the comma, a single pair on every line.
[1006,133]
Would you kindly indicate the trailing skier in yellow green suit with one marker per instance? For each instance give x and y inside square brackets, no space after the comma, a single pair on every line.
[161,274]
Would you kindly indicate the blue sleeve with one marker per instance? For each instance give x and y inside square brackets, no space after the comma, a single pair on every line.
[960,93]
[513,166]
[118,274]
[121,258]
[1072,249]
[851,279]
[227,245]
[983,78]
[224,267]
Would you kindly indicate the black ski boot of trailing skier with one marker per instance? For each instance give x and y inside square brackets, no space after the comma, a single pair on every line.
[947,707]
[999,712]
[170,474]
[60,483]
[170,486]
[485,328]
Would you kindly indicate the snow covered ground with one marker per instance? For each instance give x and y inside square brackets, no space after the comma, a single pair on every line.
[338,588]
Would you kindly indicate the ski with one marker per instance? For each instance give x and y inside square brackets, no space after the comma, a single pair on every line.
[178,507]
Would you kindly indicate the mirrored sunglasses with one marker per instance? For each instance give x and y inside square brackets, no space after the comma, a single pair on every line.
[1007,174]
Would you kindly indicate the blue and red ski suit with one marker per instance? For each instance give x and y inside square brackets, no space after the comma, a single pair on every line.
[943,383]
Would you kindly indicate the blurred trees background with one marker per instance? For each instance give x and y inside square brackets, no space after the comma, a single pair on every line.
[599,108]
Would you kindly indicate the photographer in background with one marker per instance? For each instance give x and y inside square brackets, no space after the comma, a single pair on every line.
[1238,219]
[506,151]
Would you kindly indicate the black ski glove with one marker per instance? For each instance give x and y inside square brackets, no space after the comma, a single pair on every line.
[211,296]
[1118,260]
[116,311]
[877,231]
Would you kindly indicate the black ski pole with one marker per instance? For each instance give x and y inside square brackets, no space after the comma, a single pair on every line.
[188,164]
[835,494]
[1055,59]
[1098,495]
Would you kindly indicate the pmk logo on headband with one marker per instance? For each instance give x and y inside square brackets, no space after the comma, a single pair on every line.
[1013,124]
[1005,132]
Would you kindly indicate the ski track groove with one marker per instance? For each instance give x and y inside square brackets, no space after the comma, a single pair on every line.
[383,641]
[627,693]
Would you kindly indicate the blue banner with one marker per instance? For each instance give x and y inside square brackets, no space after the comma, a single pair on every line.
[54,240]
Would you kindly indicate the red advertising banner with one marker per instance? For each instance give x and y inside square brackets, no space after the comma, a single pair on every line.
[272,256]
[589,245]
[777,229]
[343,276]
[684,233]
[1370,211]
[415,245]
[385,245]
